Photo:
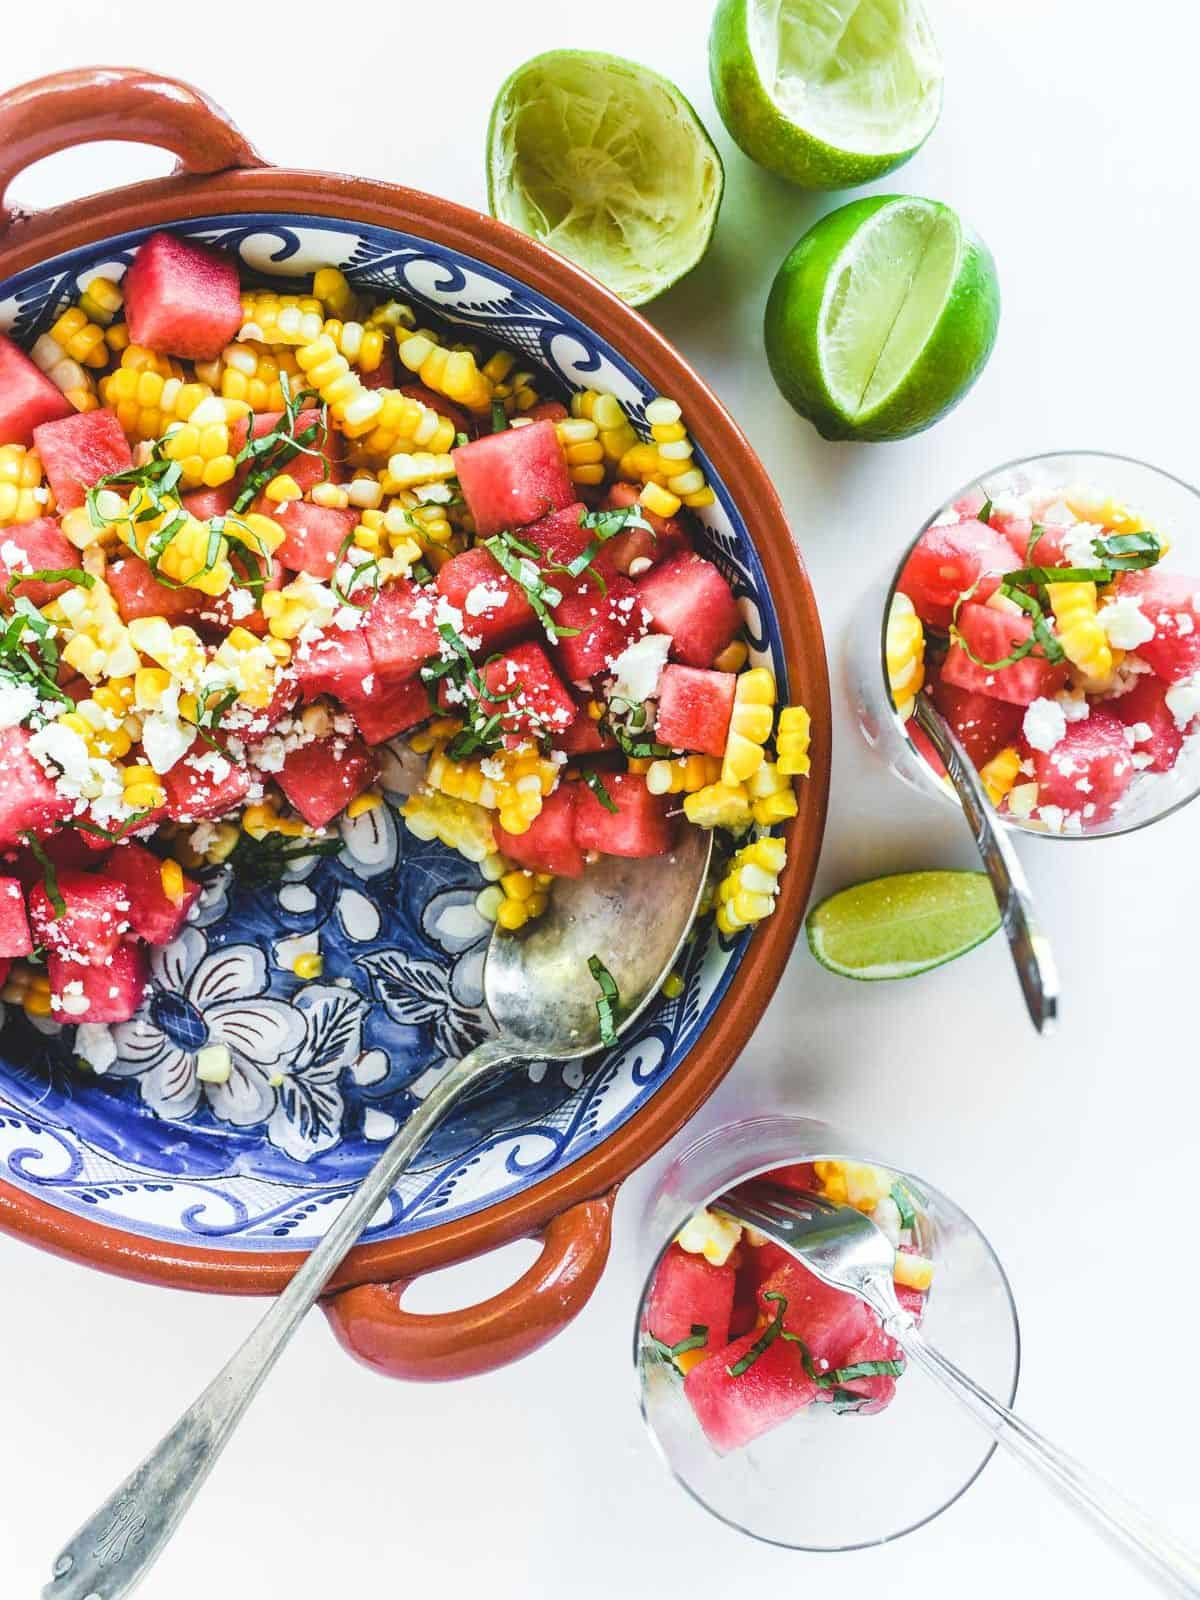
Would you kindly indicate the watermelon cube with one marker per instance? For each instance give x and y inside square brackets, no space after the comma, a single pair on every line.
[1145,710]
[27,396]
[383,710]
[879,1390]
[548,844]
[947,560]
[35,547]
[252,724]
[316,536]
[634,546]
[495,609]
[800,1176]
[734,1411]
[154,915]
[383,376]
[640,826]
[110,991]
[924,745]
[992,635]
[1171,601]
[206,503]
[30,800]
[337,663]
[547,411]
[138,593]
[15,937]
[97,915]
[78,451]
[694,708]
[1089,769]
[401,630]
[203,785]
[182,299]
[67,849]
[828,1320]
[605,623]
[561,536]
[321,460]
[688,598]
[512,478]
[688,1292]
[320,779]
[585,736]
[983,724]
[530,697]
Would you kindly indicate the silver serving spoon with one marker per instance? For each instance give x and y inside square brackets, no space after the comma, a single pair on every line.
[633,915]
[846,1249]
[1031,952]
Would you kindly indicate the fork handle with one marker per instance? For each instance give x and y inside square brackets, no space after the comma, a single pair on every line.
[1160,1555]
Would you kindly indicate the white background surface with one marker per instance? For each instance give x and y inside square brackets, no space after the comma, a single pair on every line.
[1068,140]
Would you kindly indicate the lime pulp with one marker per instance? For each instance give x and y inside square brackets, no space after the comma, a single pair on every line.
[902,925]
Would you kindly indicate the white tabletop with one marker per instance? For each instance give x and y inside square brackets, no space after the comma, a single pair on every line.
[1068,141]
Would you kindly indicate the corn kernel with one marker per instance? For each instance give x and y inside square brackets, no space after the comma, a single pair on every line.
[308,965]
[171,874]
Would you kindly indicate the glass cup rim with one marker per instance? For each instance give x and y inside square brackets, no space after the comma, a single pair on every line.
[999,818]
[930,1516]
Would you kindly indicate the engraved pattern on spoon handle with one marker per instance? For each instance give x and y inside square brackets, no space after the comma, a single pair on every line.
[116,1547]
[1030,947]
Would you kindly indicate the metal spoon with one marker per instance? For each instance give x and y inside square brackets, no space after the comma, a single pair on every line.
[633,915]
[1031,952]
[846,1249]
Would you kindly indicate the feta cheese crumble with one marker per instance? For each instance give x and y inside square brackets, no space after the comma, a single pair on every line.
[1045,724]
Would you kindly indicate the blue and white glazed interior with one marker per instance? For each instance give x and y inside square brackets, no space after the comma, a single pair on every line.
[324,1072]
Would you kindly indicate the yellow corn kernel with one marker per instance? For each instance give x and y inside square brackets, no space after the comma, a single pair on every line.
[453,373]
[1000,773]
[772,798]
[406,469]
[854,1183]
[23,493]
[82,340]
[913,1271]
[117,338]
[672,986]
[659,500]
[149,686]
[171,874]
[748,891]
[101,301]
[148,393]
[332,288]
[362,803]
[263,819]
[1103,510]
[1084,641]
[905,653]
[733,658]
[749,725]
[792,740]
[64,372]
[289,319]
[720,805]
[683,775]
[309,964]
[458,824]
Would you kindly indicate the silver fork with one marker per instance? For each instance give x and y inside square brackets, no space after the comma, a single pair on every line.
[847,1250]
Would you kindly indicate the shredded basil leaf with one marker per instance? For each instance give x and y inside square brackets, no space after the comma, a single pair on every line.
[52,575]
[49,873]
[114,837]
[765,1339]
[273,451]
[609,1001]
[1126,552]
[365,570]
[985,511]
[696,1340]
[596,784]
[263,861]
[516,558]
[499,418]
[908,1217]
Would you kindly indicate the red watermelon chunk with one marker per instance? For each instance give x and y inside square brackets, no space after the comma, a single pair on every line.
[111,991]
[560,537]
[15,937]
[879,1390]
[1171,601]
[97,914]
[203,785]
[828,1320]
[315,536]
[689,1292]
[252,724]
[27,396]
[800,1176]
[320,779]
[495,610]
[1089,769]
[694,708]
[384,710]
[337,663]
[548,844]
[321,460]
[401,630]
[530,697]
[605,624]
[584,737]
[138,593]
[640,826]
[947,560]
[688,598]
[735,1411]
[206,503]
[182,299]
[992,635]
[512,478]
[35,547]
[667,537]
[547,411]
[154,915]
[983,724]
[1145,707]
[78,451]
[29,798]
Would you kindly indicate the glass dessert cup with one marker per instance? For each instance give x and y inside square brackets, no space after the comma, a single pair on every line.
[1168,506]
[821,1480]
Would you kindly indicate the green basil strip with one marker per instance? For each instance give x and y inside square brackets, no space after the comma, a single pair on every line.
[765,1339]
[609,1001]
[596,784]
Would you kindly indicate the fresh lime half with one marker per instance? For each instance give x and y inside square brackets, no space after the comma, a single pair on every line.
[881,317]
[607,162]
[899,926]
[827,93]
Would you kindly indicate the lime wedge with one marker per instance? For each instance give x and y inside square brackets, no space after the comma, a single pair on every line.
[881,317]
[607,162]
[899,926]
[827,93]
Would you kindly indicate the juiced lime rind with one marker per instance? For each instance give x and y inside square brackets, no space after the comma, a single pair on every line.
[789,141]
[958,327]
[902,925]
[666,224]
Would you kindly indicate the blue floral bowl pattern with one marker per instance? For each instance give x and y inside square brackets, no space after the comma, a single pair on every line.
[324,1072]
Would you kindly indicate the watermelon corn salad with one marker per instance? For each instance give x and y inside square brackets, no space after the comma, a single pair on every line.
[1053,639]
[756,1337]
[248,538]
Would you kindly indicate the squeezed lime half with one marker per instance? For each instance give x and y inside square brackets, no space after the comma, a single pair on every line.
[902,925]
[607,162]
[881,317]
[826,93]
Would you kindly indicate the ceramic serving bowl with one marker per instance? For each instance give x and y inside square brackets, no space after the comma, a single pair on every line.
[148,1172]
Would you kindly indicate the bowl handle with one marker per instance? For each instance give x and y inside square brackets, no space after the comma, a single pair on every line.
[370,1323]
[90,103]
